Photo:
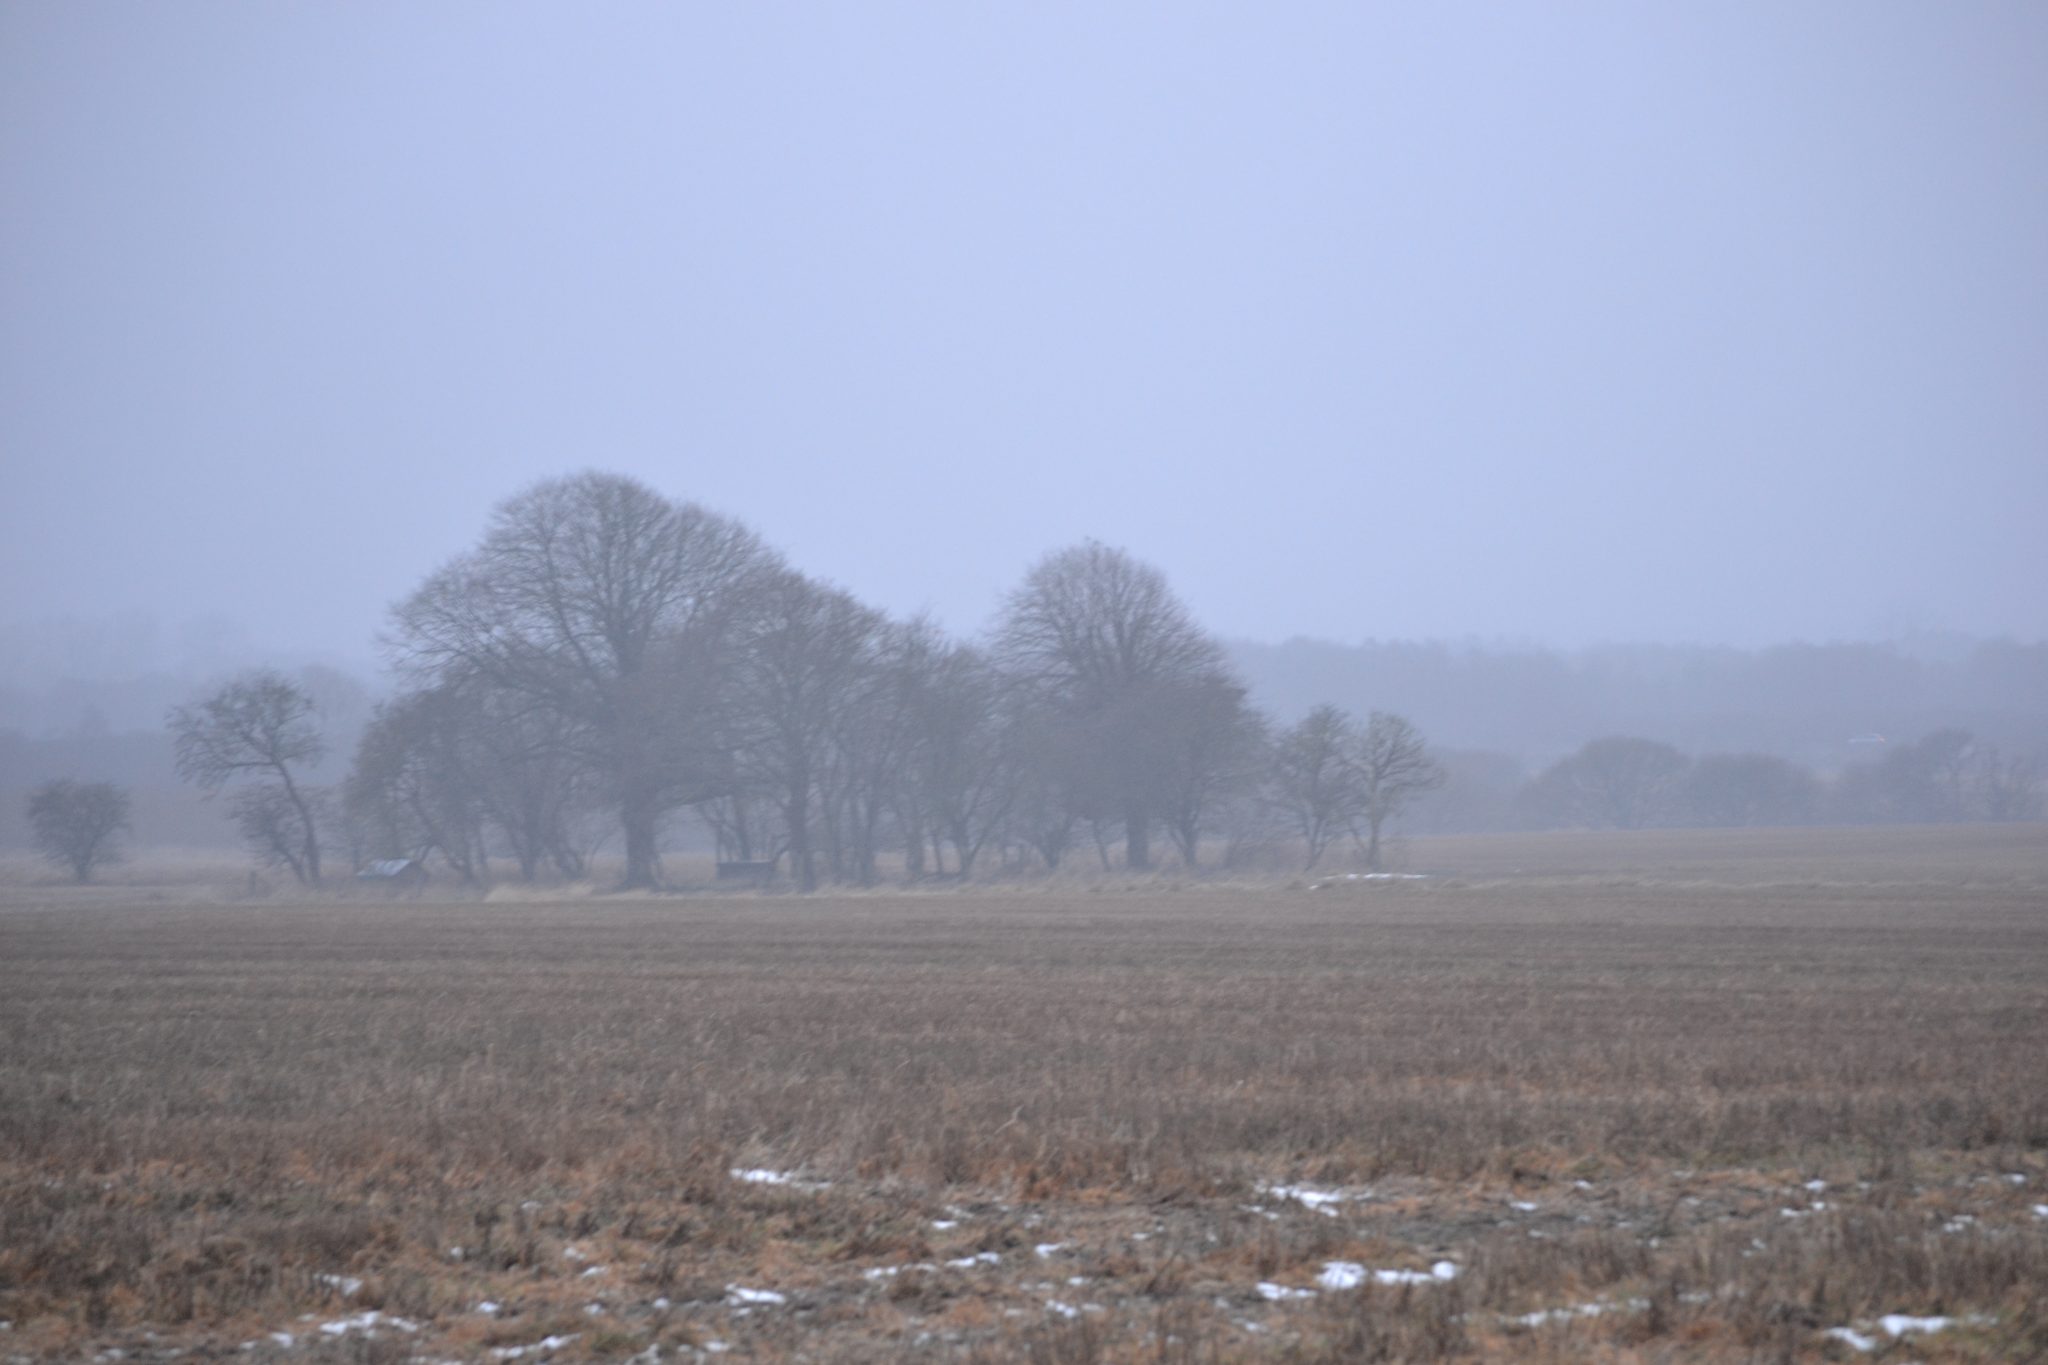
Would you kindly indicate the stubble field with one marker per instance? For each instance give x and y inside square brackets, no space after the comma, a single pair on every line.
[1772,1096]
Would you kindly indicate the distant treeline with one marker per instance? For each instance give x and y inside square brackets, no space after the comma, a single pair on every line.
[612,670]
[1804,702]
[1628,782]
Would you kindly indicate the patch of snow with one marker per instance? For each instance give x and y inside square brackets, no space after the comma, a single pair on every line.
[348,1286]
[545,1344]
[1341,1275]
[1065,1310]
[1373,877]
[978,1258]
[577,1254]
[593,1310]
[488,1309]
[1077,1280]
[1582,1184]
[1521,1206]
[366,1322]
[594,1270]
[1856,1340]
[945,1224]
[1816,1185]
[2015,1178]
[1280,1293]
[1308,1196]
[735,1295]
[1898,1324]
[456,1253]
[716,1348]
[2041,1210]
[1045,1249]
[282,1338]
[761,1176]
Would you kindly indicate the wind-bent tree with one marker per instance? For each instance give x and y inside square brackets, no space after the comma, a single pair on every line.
[1093,636]
[1315,781]
[78,824]
[616,609]
[1393,767]
[261,728]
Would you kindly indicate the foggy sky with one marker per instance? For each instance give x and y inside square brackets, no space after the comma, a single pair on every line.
[1709,323]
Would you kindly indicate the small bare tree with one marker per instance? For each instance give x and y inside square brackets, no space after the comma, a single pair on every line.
[1315,781]
[260,727]
[77,824]
[1394,767]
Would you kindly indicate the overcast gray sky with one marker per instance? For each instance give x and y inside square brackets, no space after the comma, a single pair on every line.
[1564,322]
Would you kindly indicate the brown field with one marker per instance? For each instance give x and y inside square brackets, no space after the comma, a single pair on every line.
[1594,1074]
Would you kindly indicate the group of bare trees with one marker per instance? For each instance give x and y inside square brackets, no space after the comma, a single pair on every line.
[606,658]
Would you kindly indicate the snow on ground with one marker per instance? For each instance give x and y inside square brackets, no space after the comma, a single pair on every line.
[1280,1293]
[348,1286]
[979,1258]
[736,1296]
[1543,1316]
[1373,877]
[367,1323]
[544,1345]
[1308,1196]
[1894,1325]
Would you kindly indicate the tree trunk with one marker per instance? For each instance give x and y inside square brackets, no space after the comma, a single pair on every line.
[1137,839]
[636,813]
[797,813]
[308,863]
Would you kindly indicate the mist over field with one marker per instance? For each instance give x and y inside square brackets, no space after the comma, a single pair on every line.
[1701,326]
[1077,683]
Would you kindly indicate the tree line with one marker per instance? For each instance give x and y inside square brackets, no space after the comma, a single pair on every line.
[1624,782]
[605,658]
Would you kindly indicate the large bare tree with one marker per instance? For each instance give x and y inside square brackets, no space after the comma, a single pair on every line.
[617,609]
[1098,638]
[260,727]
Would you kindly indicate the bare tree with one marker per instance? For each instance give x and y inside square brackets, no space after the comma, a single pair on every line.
[260,727]
[78,824]
[412,791]
[1212,746]
[961,760]
[1315,781]
[1090,634]
[617,609]
[803,665]
[1394,768]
